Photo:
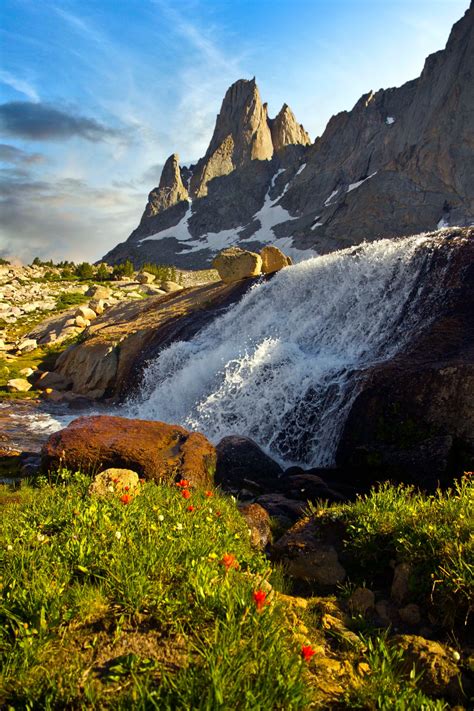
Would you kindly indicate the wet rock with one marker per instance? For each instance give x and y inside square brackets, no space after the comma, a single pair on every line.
[242,463]
[305,486]
[258,522]
[234,264]
[155,450]
[285,511]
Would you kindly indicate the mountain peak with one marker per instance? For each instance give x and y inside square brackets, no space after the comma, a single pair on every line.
[170,190]
[287,131]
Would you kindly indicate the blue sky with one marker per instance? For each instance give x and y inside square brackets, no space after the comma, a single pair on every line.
[95,94]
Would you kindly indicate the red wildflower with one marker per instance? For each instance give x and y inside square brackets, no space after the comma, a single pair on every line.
[190,507]
[186,494]
[229,561]
[208,493]
[307,652]
[142,481]
[125,499]
[183,484]
[218,513]
[126,488]
[259,597]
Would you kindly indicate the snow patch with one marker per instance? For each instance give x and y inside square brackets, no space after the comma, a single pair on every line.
[332,195]
[442,223]
[179,231]
[300,170]
[353,186]
[389,120]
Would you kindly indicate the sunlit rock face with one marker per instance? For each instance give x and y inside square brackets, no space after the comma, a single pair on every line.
[398,163]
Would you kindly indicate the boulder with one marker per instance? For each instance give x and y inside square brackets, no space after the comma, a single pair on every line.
[26,372]
[155,450]
[97,305]
[436,662]
[145,278]
[361,601]
[410,614]
[170,287]
[52,380]
[259,525]
[234,264]
[273,259]
[308,554]
[401,583]
[81,322]
[241,463]
[91,369]
[29,344]
[99,292]
[86,313]
[114,482]
[18,385]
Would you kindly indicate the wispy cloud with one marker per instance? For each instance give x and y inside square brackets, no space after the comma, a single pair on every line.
[20,85]
[15,156]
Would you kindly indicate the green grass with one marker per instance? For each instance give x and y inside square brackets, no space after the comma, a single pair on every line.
[117,606]
[70,298]
[387,685]
[434,534]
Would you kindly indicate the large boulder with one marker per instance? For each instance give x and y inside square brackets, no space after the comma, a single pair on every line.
[234,264]
[273,259]
[241,463]
[145,278]
[155,450]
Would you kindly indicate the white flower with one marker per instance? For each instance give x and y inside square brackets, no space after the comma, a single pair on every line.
[40,537]
[161,517]
[179,526]
[9,548]
[110,488]
[118,535]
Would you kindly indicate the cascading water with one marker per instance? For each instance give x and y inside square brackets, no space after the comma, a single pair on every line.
[284,365]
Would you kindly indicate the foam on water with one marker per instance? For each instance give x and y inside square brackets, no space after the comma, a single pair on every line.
[284,365]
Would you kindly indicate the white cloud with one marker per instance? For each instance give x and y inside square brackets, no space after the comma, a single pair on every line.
[20,85]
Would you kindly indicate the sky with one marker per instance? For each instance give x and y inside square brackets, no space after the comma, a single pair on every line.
[96,94]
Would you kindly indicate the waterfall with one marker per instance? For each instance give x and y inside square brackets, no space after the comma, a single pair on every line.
[284,365]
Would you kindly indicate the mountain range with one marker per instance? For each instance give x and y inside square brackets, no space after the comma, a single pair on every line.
[400,162]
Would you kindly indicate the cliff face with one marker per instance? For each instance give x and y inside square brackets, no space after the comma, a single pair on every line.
[400,162]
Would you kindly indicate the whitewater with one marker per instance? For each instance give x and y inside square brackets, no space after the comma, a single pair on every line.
[284,365]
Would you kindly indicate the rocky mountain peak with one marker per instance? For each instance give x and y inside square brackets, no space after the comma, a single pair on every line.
[170,190]
[287,131]
[241,134]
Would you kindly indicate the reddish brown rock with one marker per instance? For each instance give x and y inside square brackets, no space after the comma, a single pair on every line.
[155,450]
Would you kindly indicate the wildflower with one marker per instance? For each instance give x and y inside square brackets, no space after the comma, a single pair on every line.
[118,535]
[208,494]
[179,526]
[218,514]
[126,488]
[142,481]
[110,488]
[186,494]
[307,652]
[40,537]
[125,499]
[229,561]
[9,547]
[190,508]
[161,517]
[259,597]
[183,483]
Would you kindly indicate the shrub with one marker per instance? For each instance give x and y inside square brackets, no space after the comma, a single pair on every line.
[124,269]
[84,271]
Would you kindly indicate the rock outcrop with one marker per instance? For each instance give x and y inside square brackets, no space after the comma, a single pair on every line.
[286,131]
[261,182]
[154,450]
[170,190]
